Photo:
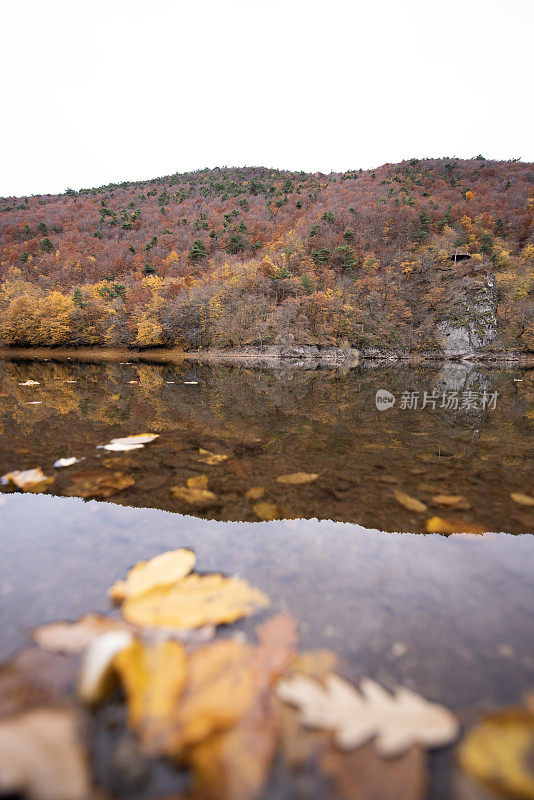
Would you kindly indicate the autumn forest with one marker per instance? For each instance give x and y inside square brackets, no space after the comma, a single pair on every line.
[235,257]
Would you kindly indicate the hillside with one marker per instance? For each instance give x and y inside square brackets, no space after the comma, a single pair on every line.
[423,255]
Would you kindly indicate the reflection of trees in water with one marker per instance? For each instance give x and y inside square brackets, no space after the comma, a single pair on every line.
[322,421]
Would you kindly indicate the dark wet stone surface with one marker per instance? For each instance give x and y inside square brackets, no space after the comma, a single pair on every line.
[451,617]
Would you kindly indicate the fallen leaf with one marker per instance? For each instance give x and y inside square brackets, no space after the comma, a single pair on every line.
[190,383]
[255,493]
[41,756]
[219,690]
[95,483]
[410,503]
[153,677]
[267,511]
[162,570]
[28,480]
[97,676]
[125,443]
[397,721]
[207,457]
[452,525]
[194,601]
[497,753]
[297,478]
[67,462]
[522,499]
[453,500]
[30,383]
[74,637]
[234,764]
[199,498]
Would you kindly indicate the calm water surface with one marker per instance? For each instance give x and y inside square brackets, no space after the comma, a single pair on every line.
[271,423]
[448,616]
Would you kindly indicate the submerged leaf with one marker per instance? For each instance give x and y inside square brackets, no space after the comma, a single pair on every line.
[209,458]
[125,443]
[66,462]
[497,753]
[297,478]
[522,499]
[452,500]
[255,493]
[452,525]
[198,498]
[161,570]
[198,482]
[194,601]
[96,483]
[267,511]
[410,503]
[397,721]
[28,480]
[41,756]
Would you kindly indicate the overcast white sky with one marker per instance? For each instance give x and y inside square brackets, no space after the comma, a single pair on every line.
[95,91]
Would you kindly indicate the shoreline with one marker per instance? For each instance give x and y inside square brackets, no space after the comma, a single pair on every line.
[270,356]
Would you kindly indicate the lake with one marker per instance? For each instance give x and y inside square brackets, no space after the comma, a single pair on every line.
[472,440]
[449,616]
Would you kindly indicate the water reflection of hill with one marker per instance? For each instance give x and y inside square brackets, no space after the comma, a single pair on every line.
[276,422]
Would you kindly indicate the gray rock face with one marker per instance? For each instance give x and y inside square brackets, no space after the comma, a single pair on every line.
[306,356]
[473,322]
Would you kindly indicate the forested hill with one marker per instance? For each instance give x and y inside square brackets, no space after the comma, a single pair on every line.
[240,256]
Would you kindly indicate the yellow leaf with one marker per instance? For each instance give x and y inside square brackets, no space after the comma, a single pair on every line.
[210,458]
[234,763]
[154,677]
[219,690]
[194,601]
[298,477]
[440,525]
[266,511]
[199,498]
[408,502]
[161,570]
[522,499]
[498,753]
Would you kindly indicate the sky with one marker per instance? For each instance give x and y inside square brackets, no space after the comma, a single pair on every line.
[100,91]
